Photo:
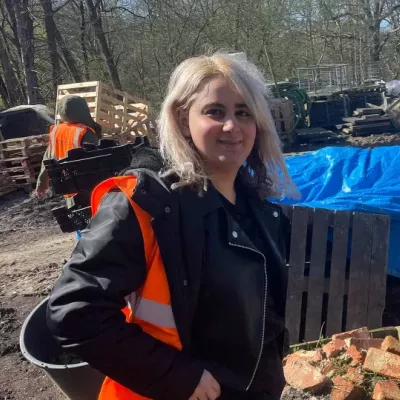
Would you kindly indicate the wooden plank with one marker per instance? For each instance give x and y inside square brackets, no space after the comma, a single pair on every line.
[10,189]
[362,128]
[317,274]
[367,119]
[296,272]
[111,101]
[378,270]
[337,279]
[78,85]
[82,94]
[357,304]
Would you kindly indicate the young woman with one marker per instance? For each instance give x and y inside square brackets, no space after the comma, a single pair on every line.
[176,290]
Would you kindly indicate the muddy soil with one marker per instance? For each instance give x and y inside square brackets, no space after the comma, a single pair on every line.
[32,252]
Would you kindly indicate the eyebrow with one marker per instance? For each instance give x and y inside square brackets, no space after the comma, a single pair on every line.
[215,104]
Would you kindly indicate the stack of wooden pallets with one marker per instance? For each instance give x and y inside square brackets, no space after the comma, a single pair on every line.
[368,121]
[7,185]
[282,111]
[21,158]
[121,115]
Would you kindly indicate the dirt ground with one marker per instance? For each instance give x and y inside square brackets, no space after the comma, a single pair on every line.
[32,252]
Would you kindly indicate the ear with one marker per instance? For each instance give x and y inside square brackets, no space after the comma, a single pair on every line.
[183,121]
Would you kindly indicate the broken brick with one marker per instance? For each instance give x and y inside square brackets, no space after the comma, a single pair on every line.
[383,363]
[301,375]
[329,369]
[361,333]
[345,390]
[391,345]
[312,356]
[386,390]
[354,375]
[334,348]
[356,355]
[364,344]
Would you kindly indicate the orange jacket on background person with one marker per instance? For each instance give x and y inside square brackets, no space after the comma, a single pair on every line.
[65,137]
[76,127]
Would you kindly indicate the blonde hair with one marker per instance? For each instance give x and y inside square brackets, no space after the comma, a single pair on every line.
[265,168]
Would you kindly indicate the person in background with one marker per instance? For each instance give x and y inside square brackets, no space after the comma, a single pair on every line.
[76,128]
[177,289]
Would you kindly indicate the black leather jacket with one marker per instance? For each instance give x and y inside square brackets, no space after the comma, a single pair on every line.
[108,263]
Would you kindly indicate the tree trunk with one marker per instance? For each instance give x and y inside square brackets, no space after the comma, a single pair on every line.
[376,42]
[51,42]
[4,94]
[95,20]
[10,80]
[13,20]
[68,57]
[25,35]
[83,40]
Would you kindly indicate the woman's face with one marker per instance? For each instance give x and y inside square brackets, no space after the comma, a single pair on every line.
[221,126]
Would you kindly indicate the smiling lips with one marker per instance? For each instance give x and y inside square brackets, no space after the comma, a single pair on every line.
[230,143]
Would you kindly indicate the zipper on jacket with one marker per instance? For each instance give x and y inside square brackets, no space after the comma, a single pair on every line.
[264,310]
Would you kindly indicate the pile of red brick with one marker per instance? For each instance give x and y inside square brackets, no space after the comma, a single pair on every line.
[352,366]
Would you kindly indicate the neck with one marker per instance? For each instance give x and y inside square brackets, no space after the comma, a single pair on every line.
[224,182]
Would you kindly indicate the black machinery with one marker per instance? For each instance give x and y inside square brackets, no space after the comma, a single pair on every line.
[81,171]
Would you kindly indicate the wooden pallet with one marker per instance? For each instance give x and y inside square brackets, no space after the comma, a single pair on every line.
[7,190]
[282,111]
[18,143]
[6,183]
[23,171]
[24,151]
[337,271]
[116,111]
[359,112]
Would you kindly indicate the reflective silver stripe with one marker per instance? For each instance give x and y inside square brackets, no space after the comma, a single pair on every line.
[76,135]
[53,140]
[155,313]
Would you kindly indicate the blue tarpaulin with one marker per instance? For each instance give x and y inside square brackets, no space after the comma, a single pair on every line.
[347,178]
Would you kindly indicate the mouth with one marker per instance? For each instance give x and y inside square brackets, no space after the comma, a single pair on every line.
[230,143]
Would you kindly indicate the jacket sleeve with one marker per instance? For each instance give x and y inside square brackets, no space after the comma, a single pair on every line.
[90,137]
[84,311]
[43,178]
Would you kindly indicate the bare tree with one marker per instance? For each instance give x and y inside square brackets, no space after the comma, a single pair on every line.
[26,39]
[51,41]
[96,21]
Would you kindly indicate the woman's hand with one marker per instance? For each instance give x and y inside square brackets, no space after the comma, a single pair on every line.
[207,389]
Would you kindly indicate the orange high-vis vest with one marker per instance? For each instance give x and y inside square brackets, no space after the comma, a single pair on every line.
[65,137]
[150,306]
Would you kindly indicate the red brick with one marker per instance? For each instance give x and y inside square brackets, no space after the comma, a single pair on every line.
[301,375]
[364,344]
[361,333]
[383,363]
[386,390]
[354,375]
[312,356]
[334,348]
[391,345]
[345,390]
[356,355]
[329,369]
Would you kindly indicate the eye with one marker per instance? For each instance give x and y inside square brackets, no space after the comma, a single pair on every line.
[243,113]
[214,112]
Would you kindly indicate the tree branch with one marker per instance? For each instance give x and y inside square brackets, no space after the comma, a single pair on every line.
[62,6]
[392,10]
[123,9]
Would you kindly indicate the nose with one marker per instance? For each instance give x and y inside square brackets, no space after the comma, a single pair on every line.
[231,124]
